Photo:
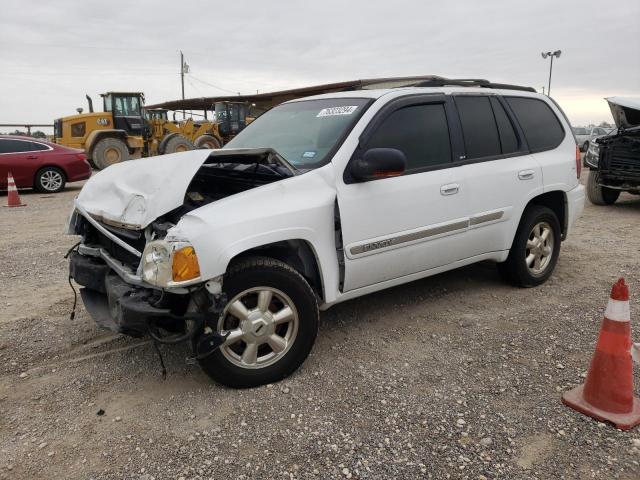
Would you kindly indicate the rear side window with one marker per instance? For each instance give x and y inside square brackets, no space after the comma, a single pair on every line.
[478,127]
[541,127]
[14,146]
[38,146]
[508,138]
[420,131]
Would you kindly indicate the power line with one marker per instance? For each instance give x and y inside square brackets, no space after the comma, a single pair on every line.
[214,86]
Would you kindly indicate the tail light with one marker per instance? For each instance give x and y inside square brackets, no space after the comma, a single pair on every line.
[81,156]
[578,162]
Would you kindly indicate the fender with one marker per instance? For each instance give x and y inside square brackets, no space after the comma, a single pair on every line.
[299,208]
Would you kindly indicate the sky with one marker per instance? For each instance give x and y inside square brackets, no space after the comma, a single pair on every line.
[53,53]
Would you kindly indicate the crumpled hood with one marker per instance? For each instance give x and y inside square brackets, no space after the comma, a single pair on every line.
[135,193]
[625,111]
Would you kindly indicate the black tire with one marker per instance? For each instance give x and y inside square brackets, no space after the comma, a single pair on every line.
[515,268]
[50,180]
[109,151]
[257,272]
[585,146]
[207,141]
[178,143]
[599,195]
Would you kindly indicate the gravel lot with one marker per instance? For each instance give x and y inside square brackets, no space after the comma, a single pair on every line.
[454,376]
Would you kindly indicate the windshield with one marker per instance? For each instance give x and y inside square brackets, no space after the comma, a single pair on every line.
[304,132]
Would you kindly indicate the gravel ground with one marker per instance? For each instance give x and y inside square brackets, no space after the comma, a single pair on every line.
[454,376]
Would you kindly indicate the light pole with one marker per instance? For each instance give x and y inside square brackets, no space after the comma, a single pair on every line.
[551,54]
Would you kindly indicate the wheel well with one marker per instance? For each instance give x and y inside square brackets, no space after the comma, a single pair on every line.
[557,202]
[298,254]
[64,173]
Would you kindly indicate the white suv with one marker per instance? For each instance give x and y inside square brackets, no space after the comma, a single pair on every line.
[318,201]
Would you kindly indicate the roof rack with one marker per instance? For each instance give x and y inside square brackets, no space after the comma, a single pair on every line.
[470,82]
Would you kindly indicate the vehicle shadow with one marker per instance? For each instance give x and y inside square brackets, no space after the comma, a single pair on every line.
[453,283]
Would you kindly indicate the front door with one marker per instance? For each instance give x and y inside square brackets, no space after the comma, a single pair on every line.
[394,227]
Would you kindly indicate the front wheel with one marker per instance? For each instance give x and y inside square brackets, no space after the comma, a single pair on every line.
[109,151]
[178,143]
[535,249]
[271,322]
[599,195]
[207,141]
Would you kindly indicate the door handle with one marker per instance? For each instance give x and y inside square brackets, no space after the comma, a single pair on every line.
[32,157]
[450,189]
[526,174]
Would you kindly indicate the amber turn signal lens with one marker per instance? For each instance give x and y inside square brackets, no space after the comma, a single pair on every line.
[185,265]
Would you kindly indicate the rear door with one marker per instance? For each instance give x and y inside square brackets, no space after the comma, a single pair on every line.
[499,174]
[398,226]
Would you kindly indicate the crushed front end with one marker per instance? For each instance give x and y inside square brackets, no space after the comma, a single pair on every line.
[135,283]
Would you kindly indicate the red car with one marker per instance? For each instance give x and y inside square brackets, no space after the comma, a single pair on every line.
[42,165]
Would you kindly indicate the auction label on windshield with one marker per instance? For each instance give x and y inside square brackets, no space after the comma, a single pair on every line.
[332,111]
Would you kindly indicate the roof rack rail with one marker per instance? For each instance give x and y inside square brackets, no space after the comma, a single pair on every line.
[470,82]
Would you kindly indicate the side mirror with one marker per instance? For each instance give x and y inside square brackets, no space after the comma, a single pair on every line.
[378,163]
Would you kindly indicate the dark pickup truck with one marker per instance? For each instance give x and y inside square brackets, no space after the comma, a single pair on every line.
[614,161]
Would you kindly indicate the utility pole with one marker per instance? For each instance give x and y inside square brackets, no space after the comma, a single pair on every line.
[182,76]
[551,54]
[184,68]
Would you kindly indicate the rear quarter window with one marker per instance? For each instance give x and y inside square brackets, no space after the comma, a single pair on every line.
[541,127]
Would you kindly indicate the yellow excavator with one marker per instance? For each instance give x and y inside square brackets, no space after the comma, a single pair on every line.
[126,130]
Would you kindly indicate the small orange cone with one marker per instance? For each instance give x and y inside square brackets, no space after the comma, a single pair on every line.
[13,199]
[607,395]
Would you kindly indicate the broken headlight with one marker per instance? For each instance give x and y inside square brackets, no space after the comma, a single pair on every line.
[170,264]
[592,155]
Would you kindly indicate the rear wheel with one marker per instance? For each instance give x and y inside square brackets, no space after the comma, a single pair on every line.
[271,319]
[178,143]
[207,141]
[598,194]
[585,146]
[109,151]
[535,249]
[50,180]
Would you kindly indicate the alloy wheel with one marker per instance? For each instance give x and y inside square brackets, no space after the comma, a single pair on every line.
[539,249]
[51,180]
[262,324]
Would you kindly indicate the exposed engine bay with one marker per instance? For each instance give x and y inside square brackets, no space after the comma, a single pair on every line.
[222,176]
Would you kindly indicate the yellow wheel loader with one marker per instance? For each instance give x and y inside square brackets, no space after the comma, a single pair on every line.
[120,132]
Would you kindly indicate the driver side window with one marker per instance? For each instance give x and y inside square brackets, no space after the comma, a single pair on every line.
[421,132]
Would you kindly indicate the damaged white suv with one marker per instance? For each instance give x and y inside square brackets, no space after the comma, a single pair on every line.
[318,201]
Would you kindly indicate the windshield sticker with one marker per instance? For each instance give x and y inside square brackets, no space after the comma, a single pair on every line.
[332,111]
[308,154]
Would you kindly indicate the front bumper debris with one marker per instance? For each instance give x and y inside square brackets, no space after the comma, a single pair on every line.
[113,303]
[133,310]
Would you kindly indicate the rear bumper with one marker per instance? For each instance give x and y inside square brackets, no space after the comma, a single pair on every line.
[78,171]
[575,205]
[113,303]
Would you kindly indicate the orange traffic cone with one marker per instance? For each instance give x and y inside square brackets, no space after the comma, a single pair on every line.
[607,395]
[13,199]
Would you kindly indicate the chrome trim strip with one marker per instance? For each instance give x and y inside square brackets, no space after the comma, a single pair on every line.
[122,270]
[106,232]
[409,237]
[487,217]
